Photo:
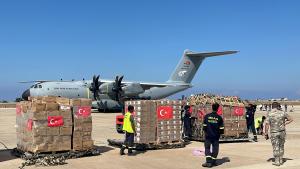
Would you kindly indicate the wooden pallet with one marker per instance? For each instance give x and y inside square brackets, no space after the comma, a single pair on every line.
[150,146]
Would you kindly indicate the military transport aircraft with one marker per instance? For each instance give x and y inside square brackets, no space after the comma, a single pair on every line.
[111,94]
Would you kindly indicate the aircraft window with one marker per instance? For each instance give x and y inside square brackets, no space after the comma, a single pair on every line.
[35,86]
[40,86]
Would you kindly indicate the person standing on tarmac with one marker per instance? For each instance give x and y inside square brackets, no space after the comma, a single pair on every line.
[259,124]
[276,122]
[129,129]
[250,114]
[186,119]
[213,127]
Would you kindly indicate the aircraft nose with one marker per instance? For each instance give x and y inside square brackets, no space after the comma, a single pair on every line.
[26,94]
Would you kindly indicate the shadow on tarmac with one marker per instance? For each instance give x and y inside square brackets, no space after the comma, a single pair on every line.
[5,155]
[222,161]
[103,149]
[284,159]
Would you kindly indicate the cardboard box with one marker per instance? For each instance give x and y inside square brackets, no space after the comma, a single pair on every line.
[87,144]
[85,102]
[37,107]
[37,137]
[49,99]
[75,102]
[77,143]
[63,101]
[52,107]
[39,115]
[65,131]
[52,131]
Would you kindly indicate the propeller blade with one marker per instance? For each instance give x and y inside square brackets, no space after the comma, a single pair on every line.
[120,80]
[95,86]
[120,83]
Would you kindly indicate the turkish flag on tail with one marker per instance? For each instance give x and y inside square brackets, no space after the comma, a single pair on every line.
[238,111]
[55,121]
[165,112]
[83,111]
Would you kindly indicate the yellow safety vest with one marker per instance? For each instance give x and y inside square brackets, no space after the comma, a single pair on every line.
[127,126]
[258,122]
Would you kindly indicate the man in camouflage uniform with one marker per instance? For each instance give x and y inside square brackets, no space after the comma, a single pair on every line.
[276,122]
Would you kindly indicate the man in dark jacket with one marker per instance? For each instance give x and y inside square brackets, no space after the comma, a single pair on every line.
[213,127]
[250,114]
[186,119]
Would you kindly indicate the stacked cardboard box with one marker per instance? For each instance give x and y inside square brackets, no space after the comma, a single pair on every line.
[145,121]
[169,128]
[157,121]
[44,124]
[231,109]
[82,134]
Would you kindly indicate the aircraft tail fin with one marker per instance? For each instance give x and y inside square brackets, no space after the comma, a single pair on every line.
[190,63]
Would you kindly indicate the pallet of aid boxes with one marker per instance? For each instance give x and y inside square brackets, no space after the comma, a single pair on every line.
[82,133]
[157,121]
[45,124]
[42,127]
[169,128]
[145,120]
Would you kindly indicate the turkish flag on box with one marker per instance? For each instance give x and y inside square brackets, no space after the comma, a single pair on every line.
[55,121]
[83,111]
[238,111]
[191,110]
[220,111]
[18,110]
[165,112]
[29,124]
[201,113]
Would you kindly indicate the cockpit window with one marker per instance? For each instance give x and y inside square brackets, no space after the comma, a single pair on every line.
[35,86]
[40,86]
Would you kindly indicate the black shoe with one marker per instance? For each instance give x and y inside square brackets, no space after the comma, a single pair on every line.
[130,151]
[207,165]
[122,151]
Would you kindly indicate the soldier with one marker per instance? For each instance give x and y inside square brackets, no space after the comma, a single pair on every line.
[276,122]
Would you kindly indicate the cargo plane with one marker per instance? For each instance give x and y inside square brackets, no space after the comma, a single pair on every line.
[111,94]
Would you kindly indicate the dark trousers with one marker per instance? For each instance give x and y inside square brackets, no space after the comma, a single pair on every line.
[251,128]
[129,141]
[211,149]
[187,127]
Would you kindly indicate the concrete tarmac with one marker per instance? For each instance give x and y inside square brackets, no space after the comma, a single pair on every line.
[247,155]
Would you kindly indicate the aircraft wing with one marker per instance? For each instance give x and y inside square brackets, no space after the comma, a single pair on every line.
[43,81]
[35,81]
[148,85]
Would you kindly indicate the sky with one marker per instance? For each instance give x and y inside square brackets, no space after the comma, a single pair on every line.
[144,40]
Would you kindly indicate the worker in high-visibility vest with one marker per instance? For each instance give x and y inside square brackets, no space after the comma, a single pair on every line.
[259,121]
[129,129]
